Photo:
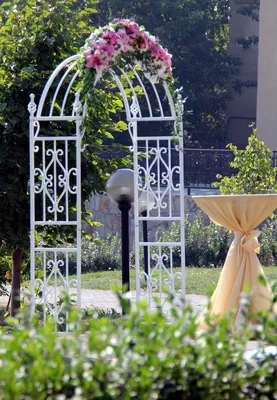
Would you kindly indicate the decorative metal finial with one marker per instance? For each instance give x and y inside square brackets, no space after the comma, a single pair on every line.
[134,107]
[32,107]
[77,106]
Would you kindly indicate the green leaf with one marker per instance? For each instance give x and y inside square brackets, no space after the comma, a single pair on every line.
[122,125]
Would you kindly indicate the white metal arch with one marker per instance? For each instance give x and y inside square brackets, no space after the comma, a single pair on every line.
[67,66]
[55,184]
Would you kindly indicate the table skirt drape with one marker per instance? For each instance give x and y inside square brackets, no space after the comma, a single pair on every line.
[241,214]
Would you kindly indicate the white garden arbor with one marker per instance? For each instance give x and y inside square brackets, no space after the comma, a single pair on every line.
[55,184]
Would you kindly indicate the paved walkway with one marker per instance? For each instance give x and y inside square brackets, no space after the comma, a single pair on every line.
[107,299]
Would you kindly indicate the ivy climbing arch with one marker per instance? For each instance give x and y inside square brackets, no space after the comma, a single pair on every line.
[126,54]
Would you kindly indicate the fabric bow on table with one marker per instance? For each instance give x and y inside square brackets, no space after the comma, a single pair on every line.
[249,240]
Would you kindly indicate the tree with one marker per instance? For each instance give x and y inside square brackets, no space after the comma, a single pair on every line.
[35,36]
[255,172]
[196,32]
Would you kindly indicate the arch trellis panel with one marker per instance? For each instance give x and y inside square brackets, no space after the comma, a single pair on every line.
[55,184]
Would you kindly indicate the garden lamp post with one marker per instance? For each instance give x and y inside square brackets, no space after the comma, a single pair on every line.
[146,203]
[120,189]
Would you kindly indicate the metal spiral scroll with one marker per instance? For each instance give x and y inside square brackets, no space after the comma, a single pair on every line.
[150,177]
[130,130]
[45,180]
[175,171]
[39,184]
[55,207]
[36,125]
[53,294]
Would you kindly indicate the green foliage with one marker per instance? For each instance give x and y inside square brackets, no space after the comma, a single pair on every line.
[34,38]
[268,239]
[196,32]
[247,41]
[141,357]
[250,10]
[255,172]
[5,266]
[206,243]
[103,120]
[98,255]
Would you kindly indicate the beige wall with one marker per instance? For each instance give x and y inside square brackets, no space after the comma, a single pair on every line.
[242,109]
[108,214]
[267,77]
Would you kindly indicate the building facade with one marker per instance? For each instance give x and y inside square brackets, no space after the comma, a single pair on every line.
[259,63]
[241,111]
[267,74]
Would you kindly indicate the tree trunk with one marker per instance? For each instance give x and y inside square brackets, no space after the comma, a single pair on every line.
[15,292]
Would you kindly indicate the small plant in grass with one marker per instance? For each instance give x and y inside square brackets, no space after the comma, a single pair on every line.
[254,170]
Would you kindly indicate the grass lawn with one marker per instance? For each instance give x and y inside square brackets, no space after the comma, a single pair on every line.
[198,280]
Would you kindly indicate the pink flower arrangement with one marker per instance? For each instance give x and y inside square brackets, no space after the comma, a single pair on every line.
[122,37]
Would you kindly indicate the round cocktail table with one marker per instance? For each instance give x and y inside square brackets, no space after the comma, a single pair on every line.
[241,214]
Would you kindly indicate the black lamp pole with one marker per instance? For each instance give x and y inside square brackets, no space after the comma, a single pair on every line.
[124,207]
[145,239]
[120,189]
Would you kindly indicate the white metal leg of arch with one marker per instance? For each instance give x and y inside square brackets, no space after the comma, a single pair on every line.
[55,191]
[162,176]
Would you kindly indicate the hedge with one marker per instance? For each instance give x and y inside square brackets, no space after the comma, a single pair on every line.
[141,357]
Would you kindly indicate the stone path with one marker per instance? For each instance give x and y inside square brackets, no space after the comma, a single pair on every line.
[106,299]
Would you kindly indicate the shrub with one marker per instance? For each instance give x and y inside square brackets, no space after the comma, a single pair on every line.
[98,255]
[206,243]
[254,170]
[142,357]
[268,239]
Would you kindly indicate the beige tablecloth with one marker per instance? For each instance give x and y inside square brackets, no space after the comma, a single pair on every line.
[241,214]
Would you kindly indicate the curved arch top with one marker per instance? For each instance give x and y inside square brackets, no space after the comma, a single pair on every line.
[146,101]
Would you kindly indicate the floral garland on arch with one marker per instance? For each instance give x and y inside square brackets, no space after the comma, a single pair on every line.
[121,42]
[124,39]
